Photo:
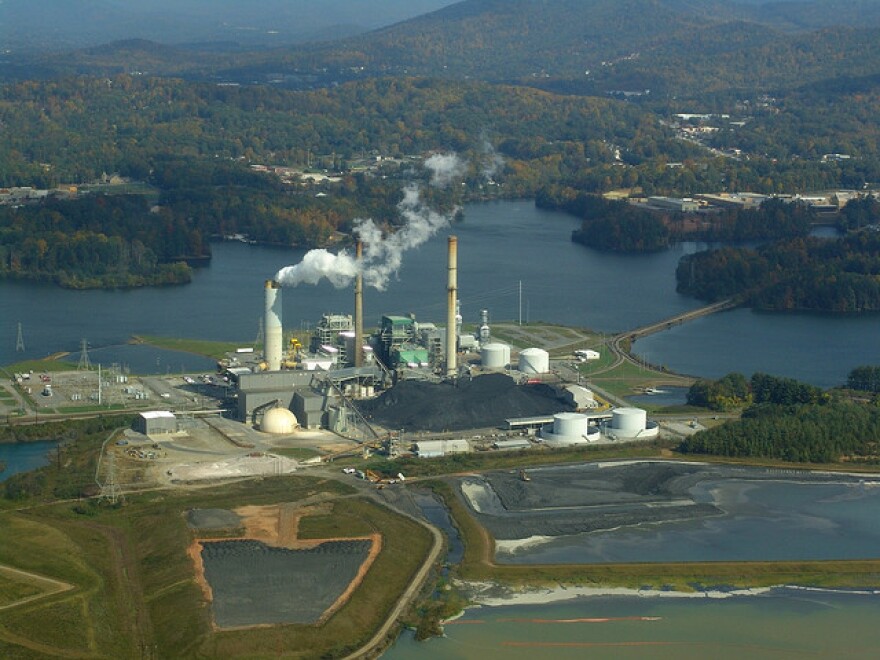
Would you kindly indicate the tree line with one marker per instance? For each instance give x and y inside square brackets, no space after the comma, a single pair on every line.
[786,420]
[813,274]
[619,226]
[97,241]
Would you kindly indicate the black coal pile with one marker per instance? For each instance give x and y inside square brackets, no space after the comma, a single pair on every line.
[480,402]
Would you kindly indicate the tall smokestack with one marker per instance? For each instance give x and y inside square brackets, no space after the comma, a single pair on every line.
[272,326]
[452,292]
[359,308]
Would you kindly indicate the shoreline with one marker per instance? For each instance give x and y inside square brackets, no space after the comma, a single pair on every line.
[496,594]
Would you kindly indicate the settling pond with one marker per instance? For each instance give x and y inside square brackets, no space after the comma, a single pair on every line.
[655,511]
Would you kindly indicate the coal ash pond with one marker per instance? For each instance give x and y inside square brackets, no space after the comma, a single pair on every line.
[484,401]
[256,584]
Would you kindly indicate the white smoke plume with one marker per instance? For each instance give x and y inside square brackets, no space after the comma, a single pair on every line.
[383,255]
[491,160]
[445,168]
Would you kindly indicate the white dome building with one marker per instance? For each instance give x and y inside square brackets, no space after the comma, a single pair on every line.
[278,421]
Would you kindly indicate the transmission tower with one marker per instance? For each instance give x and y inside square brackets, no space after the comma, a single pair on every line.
[259,339]
[110,491]
[19,342]
[84,363]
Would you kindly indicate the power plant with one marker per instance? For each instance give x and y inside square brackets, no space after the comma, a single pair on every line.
[343,379]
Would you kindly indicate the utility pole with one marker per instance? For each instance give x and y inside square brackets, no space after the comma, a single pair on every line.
[520,302]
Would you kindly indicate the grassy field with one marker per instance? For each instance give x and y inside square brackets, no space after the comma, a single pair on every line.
[134,589]
[38,366]
[14,588]
[341,523]
[299,453]
[211,349]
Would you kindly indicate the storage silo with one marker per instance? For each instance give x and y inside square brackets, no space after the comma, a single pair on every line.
[495,356]
[568,429]
[534,361]
[569,424]
[278,421]
[628,422]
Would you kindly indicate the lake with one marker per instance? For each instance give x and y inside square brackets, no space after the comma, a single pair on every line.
[24,456]
[501,245]
[784,520]
[781,623]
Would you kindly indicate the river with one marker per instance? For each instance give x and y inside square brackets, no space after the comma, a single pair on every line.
[501,245]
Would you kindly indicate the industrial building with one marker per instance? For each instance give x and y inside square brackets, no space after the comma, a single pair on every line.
[438,448]
[581,397]
[679,205]
[155,422]
[278,421]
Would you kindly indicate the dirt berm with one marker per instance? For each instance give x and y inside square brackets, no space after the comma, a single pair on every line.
[484,401]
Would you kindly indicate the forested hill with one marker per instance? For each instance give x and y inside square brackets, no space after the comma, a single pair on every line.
[593,46]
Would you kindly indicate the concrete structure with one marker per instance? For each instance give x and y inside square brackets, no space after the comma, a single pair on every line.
[734,200]
[570,429]
[511,445]
[278,421]
[437,448]
[272,326]
[534,361]
[581,397]
[310,409]
[495,356]
[258,390]
[680,205]
[155,422]
[631,424]
[451,306]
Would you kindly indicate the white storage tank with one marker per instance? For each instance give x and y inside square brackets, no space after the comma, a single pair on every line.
[569,424]
[278,421]
[570,429]
[628,422]
[495,356]
[534,361]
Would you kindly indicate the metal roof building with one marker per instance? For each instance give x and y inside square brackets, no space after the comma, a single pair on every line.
[155,422]
[437,448]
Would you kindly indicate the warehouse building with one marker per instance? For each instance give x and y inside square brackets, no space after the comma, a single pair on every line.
[155,422]
[437,448]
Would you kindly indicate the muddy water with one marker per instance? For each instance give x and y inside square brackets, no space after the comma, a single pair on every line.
[783,623]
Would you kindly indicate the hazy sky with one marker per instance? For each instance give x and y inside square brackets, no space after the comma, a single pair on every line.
[76,23]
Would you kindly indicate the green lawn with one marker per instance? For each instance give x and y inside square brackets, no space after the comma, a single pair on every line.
[211,349]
